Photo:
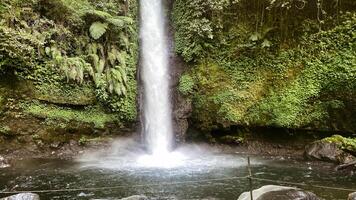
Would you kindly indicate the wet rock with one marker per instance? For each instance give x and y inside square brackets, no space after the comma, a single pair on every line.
[292,194]
[275,192]
[182,111]
[352,196]
[23,196]
[3,162]
[55,145]
[351,167]
[136,197]
[182,106]
[327,151]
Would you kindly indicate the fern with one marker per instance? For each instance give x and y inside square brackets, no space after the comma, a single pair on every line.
[98,29]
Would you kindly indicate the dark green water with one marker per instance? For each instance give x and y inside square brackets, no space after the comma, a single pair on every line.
[59,174]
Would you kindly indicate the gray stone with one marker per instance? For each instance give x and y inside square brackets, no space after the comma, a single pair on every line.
[3,162]
[275,192]
[182,106]
[136,197]
[352,196]
[326,151]
[258,192]
[292,194]
[23,196]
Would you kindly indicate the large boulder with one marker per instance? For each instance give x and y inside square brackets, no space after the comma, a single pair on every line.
[23,196]
[292,194]
[328,151]
[275,192]
[352,196]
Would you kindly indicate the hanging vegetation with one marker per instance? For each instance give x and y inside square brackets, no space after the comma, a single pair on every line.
[284,63]
[64,42]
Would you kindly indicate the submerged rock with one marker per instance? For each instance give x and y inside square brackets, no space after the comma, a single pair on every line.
[352,196]
[275,192]
[23,196]
[327,151]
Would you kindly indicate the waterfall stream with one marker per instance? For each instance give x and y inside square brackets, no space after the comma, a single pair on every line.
[157,111]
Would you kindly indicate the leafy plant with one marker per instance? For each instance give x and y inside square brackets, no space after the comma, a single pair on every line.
[98,29]
[186,84]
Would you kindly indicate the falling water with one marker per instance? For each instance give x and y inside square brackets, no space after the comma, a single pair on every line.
[157,114]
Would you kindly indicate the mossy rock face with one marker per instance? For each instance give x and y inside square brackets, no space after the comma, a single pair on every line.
[335,149]
[289,72]
[1,103]
[347,144]
[89,115]
[66,94]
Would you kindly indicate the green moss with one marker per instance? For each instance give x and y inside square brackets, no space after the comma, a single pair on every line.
[66,94]
[231,139]
[92,115]
[286,71]
[1,102]
[348,144]
[186,84]
[5,131]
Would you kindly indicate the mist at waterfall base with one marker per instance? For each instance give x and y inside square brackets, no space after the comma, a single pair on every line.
[128,154]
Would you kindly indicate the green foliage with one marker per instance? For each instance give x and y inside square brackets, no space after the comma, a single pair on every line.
[1,103]
[348,144]
[97,29]
[230,139]
[83,141]
[93,115]
[257,67]
[186,84]
[65,94]
[17,48]
[5,130]
[63,45]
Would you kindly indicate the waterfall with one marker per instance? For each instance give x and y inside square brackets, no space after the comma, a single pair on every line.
[157,113]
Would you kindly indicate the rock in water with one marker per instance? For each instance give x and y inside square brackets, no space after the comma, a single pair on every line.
[352,196]
[23,196]
[275,192]
[292,194]
[136,197]
[326,151]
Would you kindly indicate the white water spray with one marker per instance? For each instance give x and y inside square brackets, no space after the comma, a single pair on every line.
[157,122]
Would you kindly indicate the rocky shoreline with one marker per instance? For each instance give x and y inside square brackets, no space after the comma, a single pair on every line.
[318,151]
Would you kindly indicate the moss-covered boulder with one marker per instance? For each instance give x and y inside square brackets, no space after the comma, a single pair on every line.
[335,149]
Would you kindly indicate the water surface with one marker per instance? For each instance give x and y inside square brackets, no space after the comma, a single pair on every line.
[42,174]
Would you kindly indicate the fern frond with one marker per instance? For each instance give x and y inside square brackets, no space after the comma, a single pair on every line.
[98,29]
[98,14]
[124,40]
[123,90]
[122,58]
[118,23]
[92,48]
[101,66]
[118,89]
[101,50]
[123,75]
